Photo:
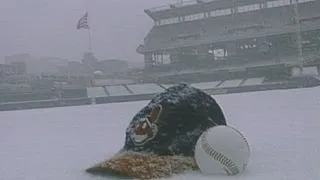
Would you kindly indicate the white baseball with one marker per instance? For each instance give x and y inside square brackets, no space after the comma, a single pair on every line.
[222,150]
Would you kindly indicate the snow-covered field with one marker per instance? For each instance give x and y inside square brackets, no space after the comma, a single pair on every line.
[283,129]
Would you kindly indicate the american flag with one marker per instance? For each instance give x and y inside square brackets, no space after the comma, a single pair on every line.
[83,22]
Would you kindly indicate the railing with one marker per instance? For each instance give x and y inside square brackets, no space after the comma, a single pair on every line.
[178,5]
[219,12]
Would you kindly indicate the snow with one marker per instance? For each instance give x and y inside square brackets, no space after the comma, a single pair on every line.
[253,81]
[206,85]
[145,88]
[96,92]
[231,83]
[282,128]
[313,70]
[168,85]
[117,90]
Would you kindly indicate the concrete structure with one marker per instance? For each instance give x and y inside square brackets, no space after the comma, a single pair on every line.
[250,37]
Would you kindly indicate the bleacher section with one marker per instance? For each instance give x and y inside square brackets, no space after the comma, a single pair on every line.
[117,90]
[38,104]
[248,24]
[149,89]
[74,93]
[311,71]
[16,88]
[231,83]
[206,85]
[252,82]
[139,92]
[96,92]
[145,88]
[167,85]
[108,82]
[34,96]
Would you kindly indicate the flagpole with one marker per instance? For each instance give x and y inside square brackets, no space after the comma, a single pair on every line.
[89,29]
[90,47]
[89,37]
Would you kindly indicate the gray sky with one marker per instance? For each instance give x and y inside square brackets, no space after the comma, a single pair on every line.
[48,27]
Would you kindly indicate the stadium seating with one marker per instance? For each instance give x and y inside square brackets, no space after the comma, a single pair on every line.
[145,88]
[93,92]
[309,9]
[218,25]
[230,83]
[138,92]
[118,90]
[27,96]
[107,82]
[243,25]
[74,93]
[206,85]
[252,81]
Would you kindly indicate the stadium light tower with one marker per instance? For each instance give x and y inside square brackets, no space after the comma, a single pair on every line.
[298,31]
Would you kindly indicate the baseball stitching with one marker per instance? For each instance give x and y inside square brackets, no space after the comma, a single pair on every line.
[231,167]
[244,138]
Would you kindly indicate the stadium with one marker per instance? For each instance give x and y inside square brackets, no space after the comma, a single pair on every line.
[218,46]
[221,40]
[258,58]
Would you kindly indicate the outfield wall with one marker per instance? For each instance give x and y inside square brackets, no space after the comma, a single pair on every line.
[140,92]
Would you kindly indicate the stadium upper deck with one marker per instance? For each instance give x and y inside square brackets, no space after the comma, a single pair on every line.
[198,22]
[184,8]
[221,35]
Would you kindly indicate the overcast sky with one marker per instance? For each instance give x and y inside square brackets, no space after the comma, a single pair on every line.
[48,27]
